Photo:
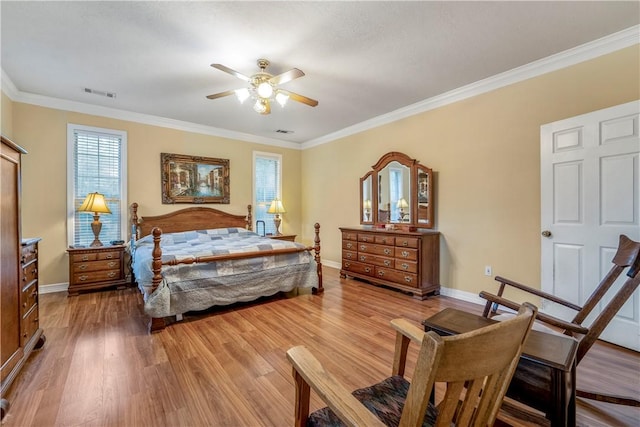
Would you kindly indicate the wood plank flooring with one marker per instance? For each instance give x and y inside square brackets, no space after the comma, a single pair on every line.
[100,368]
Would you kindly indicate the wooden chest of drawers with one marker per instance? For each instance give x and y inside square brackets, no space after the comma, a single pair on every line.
[405,260]
[96,268]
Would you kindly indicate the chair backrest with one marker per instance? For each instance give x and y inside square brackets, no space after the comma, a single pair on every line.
[627,255]
[476,366]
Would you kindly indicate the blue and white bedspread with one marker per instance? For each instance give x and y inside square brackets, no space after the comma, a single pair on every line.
[198,286]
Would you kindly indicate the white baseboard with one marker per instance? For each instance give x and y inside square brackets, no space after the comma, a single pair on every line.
[462,295]
[55,287]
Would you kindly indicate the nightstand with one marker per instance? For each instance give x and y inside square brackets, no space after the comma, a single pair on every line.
[289,237]
[97,267]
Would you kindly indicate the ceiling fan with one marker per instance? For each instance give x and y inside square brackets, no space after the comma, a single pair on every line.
[263,88]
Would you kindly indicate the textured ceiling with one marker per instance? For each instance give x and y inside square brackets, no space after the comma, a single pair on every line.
[362,60]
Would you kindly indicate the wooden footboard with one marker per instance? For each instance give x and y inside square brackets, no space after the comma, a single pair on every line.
[205,218]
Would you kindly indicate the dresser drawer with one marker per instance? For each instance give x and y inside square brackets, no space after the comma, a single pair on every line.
[350,255]
[29,325]
[29,253]
[95,266]
[29,273]
[376,260]
[29,298]
[407,279]
[95,276]
[366,238]
[408,242]
[349,235]
[385,240]
[408,266]
[358,267]
[376,249]
[349,245]
[84,257]
[406,254]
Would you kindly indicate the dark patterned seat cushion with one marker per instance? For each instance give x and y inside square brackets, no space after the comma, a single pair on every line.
[385,400]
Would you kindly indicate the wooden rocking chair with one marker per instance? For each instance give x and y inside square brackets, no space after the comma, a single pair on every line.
[627,255]
[476,367]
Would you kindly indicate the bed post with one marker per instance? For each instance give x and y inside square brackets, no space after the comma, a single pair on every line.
[134,221]
[156,323]
[249,221]
[316,249]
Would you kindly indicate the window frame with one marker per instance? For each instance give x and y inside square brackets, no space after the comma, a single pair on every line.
[124,207]
[272,156]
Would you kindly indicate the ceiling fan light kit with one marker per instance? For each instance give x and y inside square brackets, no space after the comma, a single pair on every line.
[263,88]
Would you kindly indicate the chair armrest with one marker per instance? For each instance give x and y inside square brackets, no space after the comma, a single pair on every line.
[554,321]
[538,292]
[335,395]
[408,329]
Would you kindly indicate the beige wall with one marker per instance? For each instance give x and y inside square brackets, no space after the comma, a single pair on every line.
[6,111]
[485,152]
[43,133]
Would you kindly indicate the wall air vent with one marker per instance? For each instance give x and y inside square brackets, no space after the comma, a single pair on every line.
[100,92]
[284,131]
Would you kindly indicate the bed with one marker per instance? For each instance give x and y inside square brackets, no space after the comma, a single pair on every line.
[199,257]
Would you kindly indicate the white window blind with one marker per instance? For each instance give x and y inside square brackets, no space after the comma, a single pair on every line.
[97,163]
[267,184]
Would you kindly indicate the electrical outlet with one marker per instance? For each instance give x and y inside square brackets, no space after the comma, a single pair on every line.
[487,270]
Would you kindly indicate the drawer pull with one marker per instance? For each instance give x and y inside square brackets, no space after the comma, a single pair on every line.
[83,278]
[347,264]
[112,274]
[112,264]
[85,258]
[25,335]
[24,304]
[405,243]
[408,279]
[405,266]
[380,273]
[363,258]
[387,263]
[109,256]
[363,247]
[82,266]
[34,293]
[349,256]
[387,251]
[367,269]
[405,254]
[349,245]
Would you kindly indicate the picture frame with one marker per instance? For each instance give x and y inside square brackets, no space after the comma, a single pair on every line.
[194,179]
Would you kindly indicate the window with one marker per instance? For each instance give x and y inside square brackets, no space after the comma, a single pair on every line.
[96,162]
[267,182]
[395,190]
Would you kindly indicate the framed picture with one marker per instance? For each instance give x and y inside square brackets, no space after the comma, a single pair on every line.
[192,179]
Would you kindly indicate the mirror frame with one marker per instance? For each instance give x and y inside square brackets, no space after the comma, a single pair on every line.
[415,168]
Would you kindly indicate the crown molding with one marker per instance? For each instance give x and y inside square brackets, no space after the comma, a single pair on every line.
[576,55]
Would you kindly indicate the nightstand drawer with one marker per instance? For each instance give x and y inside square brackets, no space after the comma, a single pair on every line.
[29,325]
[96,266]
[29,273]
[29,298]
[29,253]
[84,257]
[96,276]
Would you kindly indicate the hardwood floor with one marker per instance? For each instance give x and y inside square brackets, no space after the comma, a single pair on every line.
[100,368]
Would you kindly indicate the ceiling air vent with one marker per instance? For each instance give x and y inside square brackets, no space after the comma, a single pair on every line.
[100,92]
[284,131]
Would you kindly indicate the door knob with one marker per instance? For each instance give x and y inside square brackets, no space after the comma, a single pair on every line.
[546,233]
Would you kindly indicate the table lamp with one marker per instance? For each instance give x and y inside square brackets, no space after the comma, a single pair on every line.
[95,203]
[367,209]
[402,205]
[276,208]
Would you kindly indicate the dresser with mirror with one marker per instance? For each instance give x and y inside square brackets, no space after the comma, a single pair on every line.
[395,244]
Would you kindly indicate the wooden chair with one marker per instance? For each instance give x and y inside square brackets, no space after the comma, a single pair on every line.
[627,256]
[476,367]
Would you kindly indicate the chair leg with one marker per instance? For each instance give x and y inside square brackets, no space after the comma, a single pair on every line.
[303,392]
[608,398]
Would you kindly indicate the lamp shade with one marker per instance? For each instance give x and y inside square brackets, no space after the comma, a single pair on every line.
[402,203]
[367,204]
[94,203]
[276,207]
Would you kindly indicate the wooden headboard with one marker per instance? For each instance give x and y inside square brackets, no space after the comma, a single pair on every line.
[195,218]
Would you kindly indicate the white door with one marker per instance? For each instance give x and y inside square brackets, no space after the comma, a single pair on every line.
[590,189]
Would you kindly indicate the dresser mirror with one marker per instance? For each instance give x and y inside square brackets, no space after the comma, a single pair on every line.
[398,190]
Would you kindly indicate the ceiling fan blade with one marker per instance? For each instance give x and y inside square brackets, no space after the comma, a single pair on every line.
[296,97]
[230,71]
[221,94]
[287,76]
